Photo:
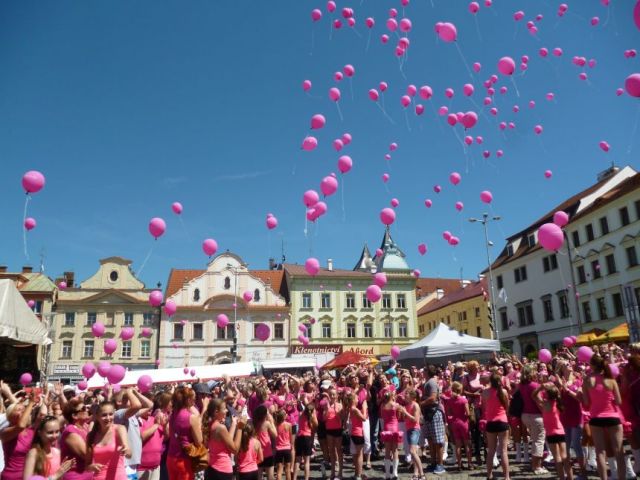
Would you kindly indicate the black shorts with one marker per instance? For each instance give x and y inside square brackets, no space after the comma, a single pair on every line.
[282,456]
[248,475]
[556,439]
[335,432]
[604,422]
[267,462]
[322,431]
[357,440]
[294,429]
[213,474]
[497,427]
[304,446]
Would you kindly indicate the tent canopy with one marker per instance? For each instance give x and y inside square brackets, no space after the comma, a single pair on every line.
[616,334]
[17,320]
[446,341]
[589,337]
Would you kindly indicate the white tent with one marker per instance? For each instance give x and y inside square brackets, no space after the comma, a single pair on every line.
[445,341]
[17,320]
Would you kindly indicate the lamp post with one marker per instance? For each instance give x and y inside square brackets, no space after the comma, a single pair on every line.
[234,348]
[485,220]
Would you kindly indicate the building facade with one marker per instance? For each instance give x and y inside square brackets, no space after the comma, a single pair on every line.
[336,312]
[117,299]
[192,337]
[465,309]
[537,303]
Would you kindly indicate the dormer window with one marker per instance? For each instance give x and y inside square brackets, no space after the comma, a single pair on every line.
[510,250]
[227,283]
[196,295]
[531,240]
[256,295]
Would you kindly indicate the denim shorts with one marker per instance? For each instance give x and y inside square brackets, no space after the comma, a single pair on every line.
[413,436]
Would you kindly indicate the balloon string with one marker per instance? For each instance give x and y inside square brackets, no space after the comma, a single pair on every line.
[464,60]
[344,214]
[24,229]
[406,118]
[146,259]
[464,148]
[339,111]
[633,133]
[184,228]
[368,42]
[475,18]
[306,224]
[351,87]
[313,41]
[355,30]
[382,96]
[515,86]
[385,114]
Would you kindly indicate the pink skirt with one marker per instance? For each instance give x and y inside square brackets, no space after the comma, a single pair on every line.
[460,430]
[394,437]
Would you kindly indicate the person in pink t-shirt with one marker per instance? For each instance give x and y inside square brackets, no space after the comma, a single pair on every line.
[284,443]
[153,432]
[547,397]
[44,457]
[249,454]
[458,409]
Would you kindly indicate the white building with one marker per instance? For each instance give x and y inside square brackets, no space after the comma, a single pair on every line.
[536,301]
[191,337]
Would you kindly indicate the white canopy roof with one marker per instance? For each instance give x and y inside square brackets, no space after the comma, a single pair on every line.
[445,341]
[17,320]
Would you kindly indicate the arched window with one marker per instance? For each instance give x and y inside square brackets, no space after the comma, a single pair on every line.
[256,295]
[196,295]
[227,283]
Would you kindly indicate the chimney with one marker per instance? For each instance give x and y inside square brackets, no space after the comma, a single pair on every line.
[439,293]
[480,277]
[27,269]
[609,172]
[3,269]
[330,265]
[272,264]
[69,277]
[465,283]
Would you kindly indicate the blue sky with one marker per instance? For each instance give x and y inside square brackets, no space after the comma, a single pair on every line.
[127,107]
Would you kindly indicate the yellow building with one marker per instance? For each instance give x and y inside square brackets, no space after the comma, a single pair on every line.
[465,309]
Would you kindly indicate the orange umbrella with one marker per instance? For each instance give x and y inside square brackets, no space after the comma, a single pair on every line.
[347,358]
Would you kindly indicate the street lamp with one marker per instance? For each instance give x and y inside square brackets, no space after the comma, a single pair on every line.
[234,349]
[486,219]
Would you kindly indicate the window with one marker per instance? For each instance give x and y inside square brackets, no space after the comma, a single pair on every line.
[386,300]
[351,300]
[126,349]
[326,330]
[147,319]
[309,332]
[576,238]
[37,308]
[351,330]
[401,301]
[602,308]
[196,295]
[617,305]
[624,216]
[582,277]
[604,226]
[256,295]
[525,314]
[67,347]
[91,318]
[504,319]
[227,283]
[306,300]
[478,331]
[113,276]
[255,330]
[89,345]
[595,269]
[531,240]
[278,331]
[586,311]
[520,274]
[388,330]
[128,319]
[402,330]
[325,300]
[632,257]
[499,282]
[547,308]
[366,303]
[178,331]
[550,263]
[611,264]
[637,205]
[477,312]
[564,305]
[145,349]
[368,330]
[198,331]
[510,250]
[69,319]
[589,231]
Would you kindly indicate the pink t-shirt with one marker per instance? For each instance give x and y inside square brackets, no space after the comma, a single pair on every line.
[180,428]
[15,454]
[283,440]
[219,453]
[152,448]
[248,460]
[529,405]
[458,408]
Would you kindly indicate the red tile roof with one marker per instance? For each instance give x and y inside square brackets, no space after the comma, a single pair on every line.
[425,286]
[178,277]
[463,293]
[299,271]
[270,277]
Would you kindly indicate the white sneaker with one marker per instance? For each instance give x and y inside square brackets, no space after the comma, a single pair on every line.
[445,455]
[496,462]
[548,458]
[540,471]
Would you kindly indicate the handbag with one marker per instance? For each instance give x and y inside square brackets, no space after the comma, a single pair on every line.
[517,404]
[199,456]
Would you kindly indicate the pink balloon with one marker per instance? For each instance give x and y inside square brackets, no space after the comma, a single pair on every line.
[584,354]
[392,24]
[557,52]
[146,332]
[370,22]
[116,374]
[310,198]
[157,227]
[453,241]
[506,66]
[543,52]
[636,14]
[379,253]
[395,352]
[210,247]
[455,178]
[449,92]
[331,6]
[405,25]
[31,303]
[155,298]
[604,146]
[426,92]
[97,329]
[374,95]
[384,38]
[334,94]
[25,379]
[537,129]
[385,177]
[567,342]
[329,185]
[170,307]
[632,83]
[395,202]
[459,206]
[337,24]
[499,153]
[428,203]
[582,76]
[263,332]
[103,368]
[422,248]
[145,383]
[222,320]
[387,216]
[347,12]
[619,91]
[349,70]
[468,89]
[82,386]
[383,86]
[312,266]
[405,100]
[110,346]
[88,370]
[176,207]
[346,138]
[338,76]
[469,119]
[443,110]
[548,173]
[474,7]
[306,85]
[317,121]
[519,15]
[544,355]
[316,14]
[271,222]
[393,13]
[419,109]
[320,208]
[447,32]
[373,293]
[560,218]
[446,235]
[345,163]
[477,66]
[309,143]
[380,278]
[550,237]
[452,119]
[29,223]
[127,333]
[33,181]
[486,196]
[437,188]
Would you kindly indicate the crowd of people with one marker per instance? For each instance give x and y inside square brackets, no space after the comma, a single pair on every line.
[565,413]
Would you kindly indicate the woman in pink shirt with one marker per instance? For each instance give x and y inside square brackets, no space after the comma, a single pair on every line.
[547,397]
[249,454]
[185,428]
[44,457]
[107,445]
[222,443]
[284,440]
[333,422]
[266,434]
[357,416]
[412,414]
[458,409]
[495,405]
[153,432]
[73,442]
[391,436]
[307,425]
[16,439]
